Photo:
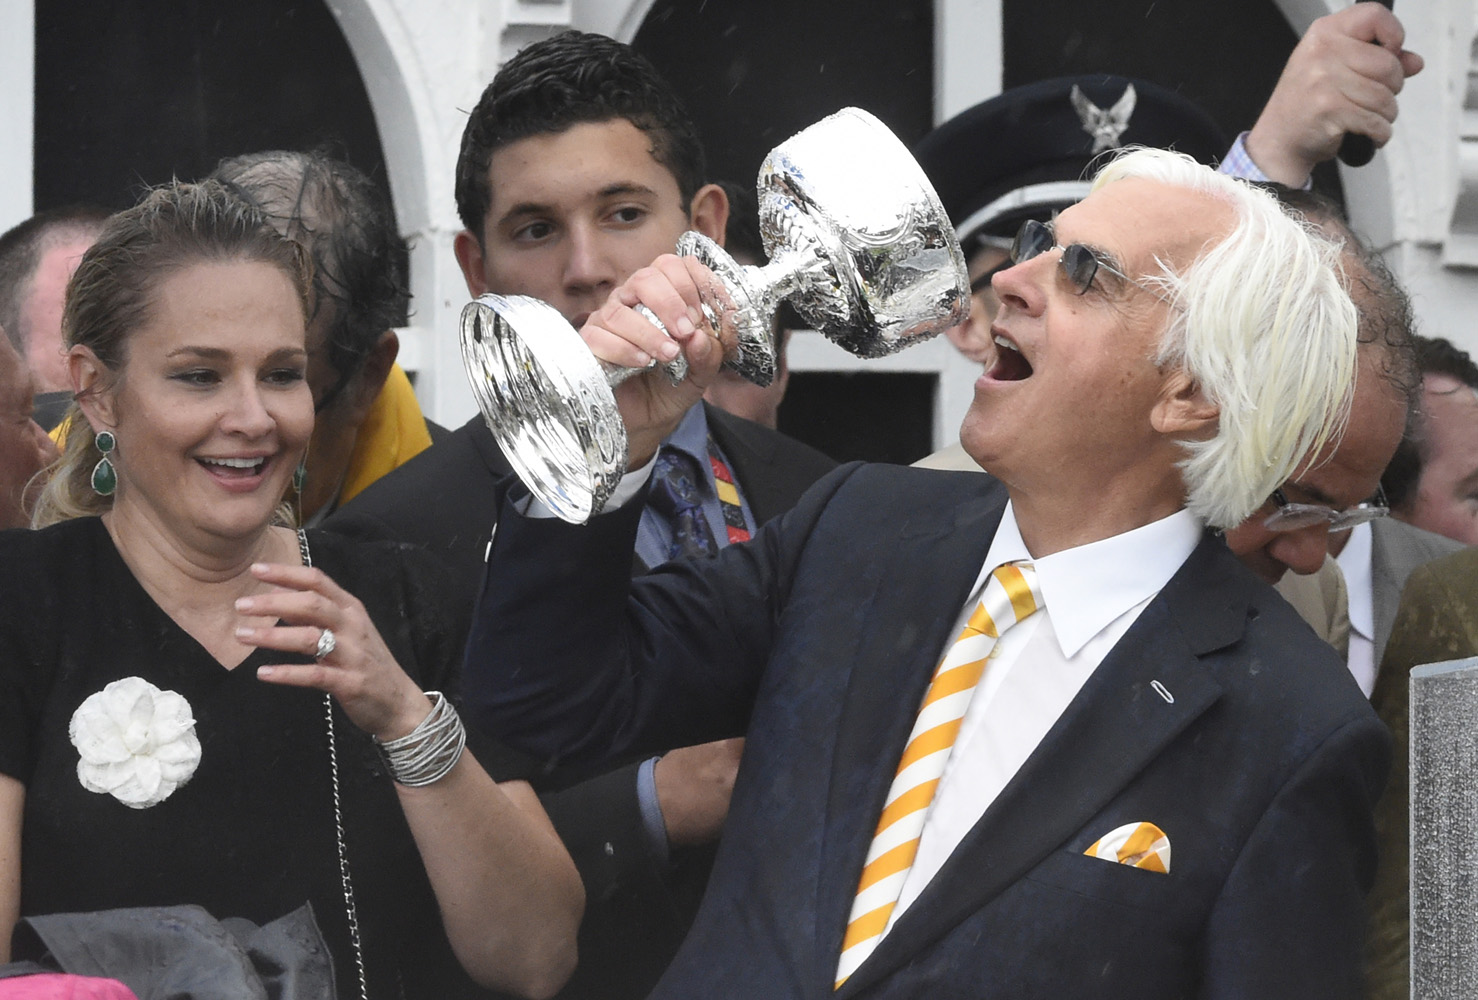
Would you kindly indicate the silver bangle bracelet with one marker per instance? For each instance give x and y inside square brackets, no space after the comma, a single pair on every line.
[427,753]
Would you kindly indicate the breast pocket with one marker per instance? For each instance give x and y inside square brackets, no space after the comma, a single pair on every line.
[1110,882]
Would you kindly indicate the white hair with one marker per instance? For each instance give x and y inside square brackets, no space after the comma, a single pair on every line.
[1262,321]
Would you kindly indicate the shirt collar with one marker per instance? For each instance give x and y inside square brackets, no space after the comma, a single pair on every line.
[1354,563]
[1087,587]
[691,436]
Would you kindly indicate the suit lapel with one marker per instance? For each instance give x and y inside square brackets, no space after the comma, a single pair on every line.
[1117,724]
[923,576]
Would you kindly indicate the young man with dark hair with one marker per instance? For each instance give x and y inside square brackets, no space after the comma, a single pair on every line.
[1432,482]
[578,168]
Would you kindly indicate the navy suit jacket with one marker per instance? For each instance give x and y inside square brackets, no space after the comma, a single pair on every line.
[819,638]
[638,906]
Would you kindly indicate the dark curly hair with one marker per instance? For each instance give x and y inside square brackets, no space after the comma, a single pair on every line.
[572,78]
[1438,356]
[345,222]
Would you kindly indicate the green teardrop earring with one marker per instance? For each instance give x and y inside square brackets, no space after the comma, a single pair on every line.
[104,476]
[300,477]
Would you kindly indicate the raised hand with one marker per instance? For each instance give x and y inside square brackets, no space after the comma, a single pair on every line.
[673,290]
[359,671]
[1343,76]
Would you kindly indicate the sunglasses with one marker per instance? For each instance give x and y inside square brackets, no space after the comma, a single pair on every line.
[1080,263]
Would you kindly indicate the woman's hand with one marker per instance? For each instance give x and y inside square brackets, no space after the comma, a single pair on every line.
[360,672]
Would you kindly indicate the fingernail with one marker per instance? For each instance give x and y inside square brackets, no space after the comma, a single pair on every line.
[244,603]
[669,351]
[685,326]
[243,632]
[266,671]
[259,567]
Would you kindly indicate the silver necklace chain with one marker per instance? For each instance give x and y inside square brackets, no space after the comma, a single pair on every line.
[333,760]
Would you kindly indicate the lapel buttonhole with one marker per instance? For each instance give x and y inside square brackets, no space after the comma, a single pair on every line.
[1163,692]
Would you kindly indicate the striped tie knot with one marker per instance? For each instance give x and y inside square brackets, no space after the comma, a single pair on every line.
[1011,595]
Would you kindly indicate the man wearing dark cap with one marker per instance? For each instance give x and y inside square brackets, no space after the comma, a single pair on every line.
[1026,153]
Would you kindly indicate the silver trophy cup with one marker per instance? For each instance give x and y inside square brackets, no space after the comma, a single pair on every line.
[858,243]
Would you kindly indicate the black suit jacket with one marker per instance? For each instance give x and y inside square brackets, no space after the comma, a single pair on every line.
[819,638]
[446,499]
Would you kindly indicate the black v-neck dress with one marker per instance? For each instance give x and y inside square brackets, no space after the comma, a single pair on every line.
[252,833]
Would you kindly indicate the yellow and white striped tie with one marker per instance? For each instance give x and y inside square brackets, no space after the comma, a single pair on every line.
[1010,596]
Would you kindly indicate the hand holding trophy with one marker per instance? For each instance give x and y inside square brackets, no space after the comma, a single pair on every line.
[858,243]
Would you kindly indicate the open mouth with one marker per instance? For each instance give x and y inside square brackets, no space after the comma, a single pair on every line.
[1010,365]
[235,468]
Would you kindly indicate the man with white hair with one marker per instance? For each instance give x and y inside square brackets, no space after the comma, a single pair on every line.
[1033,735]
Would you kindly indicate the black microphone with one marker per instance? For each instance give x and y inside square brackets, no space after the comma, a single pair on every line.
[1355,149]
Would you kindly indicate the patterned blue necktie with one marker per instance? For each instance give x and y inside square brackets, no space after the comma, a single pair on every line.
[676,495]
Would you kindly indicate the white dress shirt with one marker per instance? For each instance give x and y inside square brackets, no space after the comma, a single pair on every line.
[1091,595]
[1354,563]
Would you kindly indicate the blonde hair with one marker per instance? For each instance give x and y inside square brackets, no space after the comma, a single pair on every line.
[1263,322]
[111,294]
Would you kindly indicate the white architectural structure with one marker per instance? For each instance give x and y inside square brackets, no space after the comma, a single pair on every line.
[424,62]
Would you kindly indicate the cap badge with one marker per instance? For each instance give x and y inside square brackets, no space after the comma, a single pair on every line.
[1105,126]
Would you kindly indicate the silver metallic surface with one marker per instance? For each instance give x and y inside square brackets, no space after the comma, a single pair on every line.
[1444,830]
[546,399]
[858,243]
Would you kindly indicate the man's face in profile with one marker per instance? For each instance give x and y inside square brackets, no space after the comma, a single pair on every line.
[24,447]
[1065,403]
[1446,499]
[572,214]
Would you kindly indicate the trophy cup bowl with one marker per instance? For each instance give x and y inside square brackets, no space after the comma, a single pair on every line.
[858,243]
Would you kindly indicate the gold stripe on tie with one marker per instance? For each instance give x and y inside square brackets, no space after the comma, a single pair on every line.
[1010,596]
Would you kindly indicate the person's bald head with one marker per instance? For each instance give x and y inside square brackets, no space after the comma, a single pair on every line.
[37,259]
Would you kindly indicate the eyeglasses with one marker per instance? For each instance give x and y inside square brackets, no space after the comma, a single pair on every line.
[1080,263]
[1297,516]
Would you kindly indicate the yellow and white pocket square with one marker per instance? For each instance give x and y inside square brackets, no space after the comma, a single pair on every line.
[1142,845]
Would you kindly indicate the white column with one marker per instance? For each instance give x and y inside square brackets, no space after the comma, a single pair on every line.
[17,110]
[967,54]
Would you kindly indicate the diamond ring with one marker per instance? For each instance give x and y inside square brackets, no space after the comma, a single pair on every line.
[326,644]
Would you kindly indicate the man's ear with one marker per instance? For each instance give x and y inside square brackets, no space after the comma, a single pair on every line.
[372,375]
[470,258]
[1183,409]
[92,387]
[708,212]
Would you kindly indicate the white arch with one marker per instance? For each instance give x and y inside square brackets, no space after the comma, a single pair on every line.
[402,104]
[620,19]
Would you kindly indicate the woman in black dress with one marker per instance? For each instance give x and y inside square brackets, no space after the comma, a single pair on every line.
[198,705]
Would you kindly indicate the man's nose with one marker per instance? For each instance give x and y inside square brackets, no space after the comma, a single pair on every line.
[1024,285]
[588,265]
[1302,551]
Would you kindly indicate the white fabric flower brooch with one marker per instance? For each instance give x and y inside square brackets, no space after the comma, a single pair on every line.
[137,743]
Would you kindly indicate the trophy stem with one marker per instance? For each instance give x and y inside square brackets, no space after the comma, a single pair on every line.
[794,269]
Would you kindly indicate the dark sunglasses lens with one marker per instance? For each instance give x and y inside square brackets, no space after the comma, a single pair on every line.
[1032,240]
[1080,264]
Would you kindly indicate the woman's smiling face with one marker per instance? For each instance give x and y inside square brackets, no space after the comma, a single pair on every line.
[211,409]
